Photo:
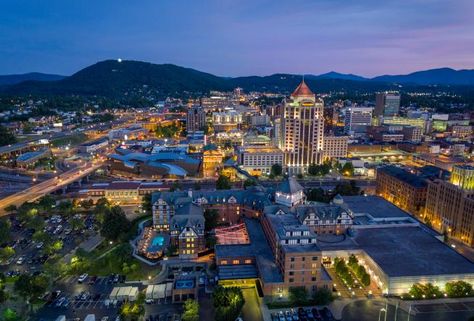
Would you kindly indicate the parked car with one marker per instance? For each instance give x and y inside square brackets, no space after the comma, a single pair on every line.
[82,277]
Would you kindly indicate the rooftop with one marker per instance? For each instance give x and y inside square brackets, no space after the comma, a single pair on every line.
[302,90]
[404,176]
[375,206]
[258,248]
[289,186]
[410,251]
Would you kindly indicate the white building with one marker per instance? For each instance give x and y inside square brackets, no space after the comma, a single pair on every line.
[260,158]
[289,193]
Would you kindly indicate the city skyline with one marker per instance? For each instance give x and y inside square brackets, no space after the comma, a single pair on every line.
[250,38]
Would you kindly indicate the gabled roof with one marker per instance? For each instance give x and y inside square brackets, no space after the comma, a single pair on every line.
[302,90]
[289,186]
[321,211]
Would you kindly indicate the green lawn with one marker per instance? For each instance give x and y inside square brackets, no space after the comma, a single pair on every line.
[75,139]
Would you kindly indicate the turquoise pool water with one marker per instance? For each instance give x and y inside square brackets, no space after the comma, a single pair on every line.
[156,244]
[184,284]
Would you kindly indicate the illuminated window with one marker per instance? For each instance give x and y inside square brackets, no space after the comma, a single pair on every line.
[235,262]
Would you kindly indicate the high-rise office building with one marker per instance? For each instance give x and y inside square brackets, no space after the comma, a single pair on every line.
[357,119]
[196,119]
[303,129]
[387,104]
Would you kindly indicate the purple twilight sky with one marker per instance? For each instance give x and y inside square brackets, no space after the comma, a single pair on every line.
[235,38]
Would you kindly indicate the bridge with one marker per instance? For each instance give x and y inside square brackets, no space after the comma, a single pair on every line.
[49,186]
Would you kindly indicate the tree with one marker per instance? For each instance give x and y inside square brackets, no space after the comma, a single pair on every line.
[115,225]
[322,296]
[10,315]
[318,195]
[29,287]
[298,295]
[6,253]
[41,236]
[228,303]
[147,206]
[313,169]
[347,189]
[348,169]
[35,222]
[5,227]
[223,182]
[46,202]
[86,204]
[6,137]
[66,208]
[101,207]
[77,223]
[249,182]
[11,208]
[191,311]
[352,260]
[424,291]
[276,170]
[456,289]
[211,218]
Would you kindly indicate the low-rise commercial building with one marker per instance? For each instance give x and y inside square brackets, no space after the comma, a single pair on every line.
[93,146]
[259,159]
[335,147]
[395,250]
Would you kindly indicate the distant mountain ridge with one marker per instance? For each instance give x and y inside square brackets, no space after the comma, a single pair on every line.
[37,76]
[121,78]
[440,76]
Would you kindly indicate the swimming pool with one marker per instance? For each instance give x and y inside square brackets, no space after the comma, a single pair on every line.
[184,284]
[156,244]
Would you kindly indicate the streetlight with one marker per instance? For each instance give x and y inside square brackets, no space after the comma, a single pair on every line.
[385,313]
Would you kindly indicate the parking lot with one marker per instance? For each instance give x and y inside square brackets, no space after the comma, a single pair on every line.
[303,314]
[29,256]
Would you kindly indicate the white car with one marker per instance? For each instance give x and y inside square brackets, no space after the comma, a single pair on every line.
[82,277]
[20,260]
[39,245]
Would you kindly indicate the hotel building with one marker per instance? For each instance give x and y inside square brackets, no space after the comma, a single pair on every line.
[303,130]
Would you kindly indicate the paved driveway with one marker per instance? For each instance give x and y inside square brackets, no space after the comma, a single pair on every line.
[251,310]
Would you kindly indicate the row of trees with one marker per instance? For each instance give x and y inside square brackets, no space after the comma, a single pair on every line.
[318,170]
[359,270]
[345,189]
[454,289]
[228,303]
[343,272]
